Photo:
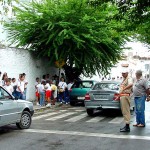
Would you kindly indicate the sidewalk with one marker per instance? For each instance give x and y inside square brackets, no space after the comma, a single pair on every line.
[42,108]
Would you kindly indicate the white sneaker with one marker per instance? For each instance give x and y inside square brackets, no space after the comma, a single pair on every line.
[37,104]
[48,105]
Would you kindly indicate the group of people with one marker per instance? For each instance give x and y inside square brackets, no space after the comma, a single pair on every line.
[140,89]
[48,91]
[15,87]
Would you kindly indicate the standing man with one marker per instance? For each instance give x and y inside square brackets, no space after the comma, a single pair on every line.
[125,91]
[140,91]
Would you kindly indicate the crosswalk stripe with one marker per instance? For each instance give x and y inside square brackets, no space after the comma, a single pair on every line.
[147,117]
[45,115]
[96,119]
[77,118]
[61,116]
[62,110]
[116,120]
[77,108]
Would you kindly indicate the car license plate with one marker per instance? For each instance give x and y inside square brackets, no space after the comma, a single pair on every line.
[101,96]
[80,98]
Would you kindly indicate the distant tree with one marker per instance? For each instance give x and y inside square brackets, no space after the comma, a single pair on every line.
[87,38]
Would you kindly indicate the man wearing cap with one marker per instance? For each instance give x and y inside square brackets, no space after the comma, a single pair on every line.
[125,91]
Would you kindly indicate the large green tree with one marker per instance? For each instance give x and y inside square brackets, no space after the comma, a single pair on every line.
[87,38]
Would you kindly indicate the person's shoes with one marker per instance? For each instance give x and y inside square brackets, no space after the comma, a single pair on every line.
[37,104]
[66,103]
[125,129]
[135,125]
[61,102]
[140,125]
[48,105]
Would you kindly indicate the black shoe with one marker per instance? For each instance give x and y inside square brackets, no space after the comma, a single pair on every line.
[125,129]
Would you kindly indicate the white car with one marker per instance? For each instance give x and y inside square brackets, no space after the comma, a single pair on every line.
[15,111]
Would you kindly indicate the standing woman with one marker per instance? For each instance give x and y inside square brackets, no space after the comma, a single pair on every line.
[140,92]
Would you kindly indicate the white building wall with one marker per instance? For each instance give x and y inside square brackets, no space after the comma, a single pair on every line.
[16,61]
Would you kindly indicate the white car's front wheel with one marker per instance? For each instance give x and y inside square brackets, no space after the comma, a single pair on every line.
[25,120]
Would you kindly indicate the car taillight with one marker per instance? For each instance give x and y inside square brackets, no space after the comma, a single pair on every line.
[87,97]
[116,97]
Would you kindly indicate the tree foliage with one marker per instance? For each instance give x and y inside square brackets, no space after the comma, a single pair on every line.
[86,37]
[136,13]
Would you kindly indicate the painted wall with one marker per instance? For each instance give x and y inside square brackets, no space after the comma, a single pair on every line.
[16,61]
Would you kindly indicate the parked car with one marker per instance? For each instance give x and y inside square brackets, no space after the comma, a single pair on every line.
[79,89]
[14,111]
[104,95]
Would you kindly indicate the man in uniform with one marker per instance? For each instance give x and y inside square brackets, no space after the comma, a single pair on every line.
[125,92]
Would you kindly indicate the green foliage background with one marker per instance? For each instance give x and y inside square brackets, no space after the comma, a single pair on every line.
[88,38]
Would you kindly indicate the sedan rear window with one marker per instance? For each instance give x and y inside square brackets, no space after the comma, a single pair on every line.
[82,84]
[106,86]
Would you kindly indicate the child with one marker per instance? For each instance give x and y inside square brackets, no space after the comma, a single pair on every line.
[48,93]
[37,83]
[54,92]
[14,85]
[8,86]
[41,91]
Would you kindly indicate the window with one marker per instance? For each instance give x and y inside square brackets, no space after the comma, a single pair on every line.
[83,84]
[4,94]
[106,86]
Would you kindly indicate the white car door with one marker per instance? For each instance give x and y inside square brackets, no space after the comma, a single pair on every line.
[8,108]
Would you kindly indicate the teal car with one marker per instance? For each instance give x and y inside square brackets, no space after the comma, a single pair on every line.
[79,90]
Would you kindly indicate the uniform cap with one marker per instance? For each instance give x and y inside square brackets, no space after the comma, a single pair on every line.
[125,70]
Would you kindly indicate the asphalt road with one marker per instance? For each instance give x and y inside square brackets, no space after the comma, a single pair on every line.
[68,128]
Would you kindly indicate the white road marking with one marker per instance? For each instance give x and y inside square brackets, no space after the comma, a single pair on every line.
[147,117]
[77,108]
[45,115]
[62,110]
[88,134]
[61,116]
[96,119]
[116,120]
[77,118]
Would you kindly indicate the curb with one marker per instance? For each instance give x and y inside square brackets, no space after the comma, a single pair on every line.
[39,108]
